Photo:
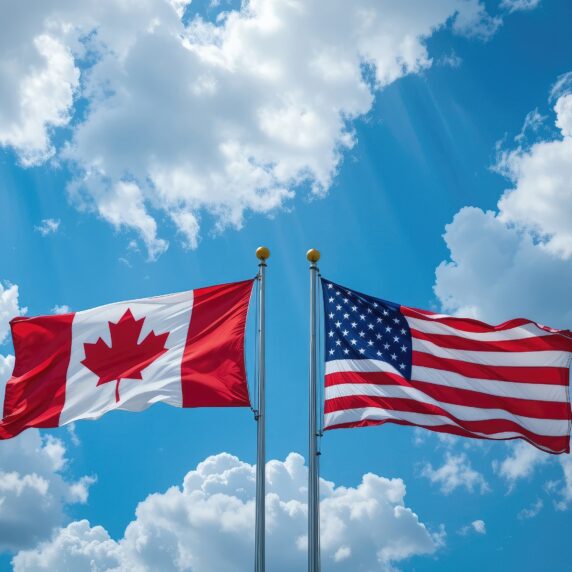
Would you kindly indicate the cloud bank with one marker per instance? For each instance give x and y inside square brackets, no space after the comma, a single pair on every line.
[208,524]
[166,119]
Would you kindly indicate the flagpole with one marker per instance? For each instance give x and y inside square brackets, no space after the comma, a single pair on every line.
[262,253]
[313,256]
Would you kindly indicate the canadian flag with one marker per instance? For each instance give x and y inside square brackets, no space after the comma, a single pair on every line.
[183,349]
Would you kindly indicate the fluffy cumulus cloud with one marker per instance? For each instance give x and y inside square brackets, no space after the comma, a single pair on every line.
[518,260]
[456,472]
[207,524]
[34,490]
[186,120]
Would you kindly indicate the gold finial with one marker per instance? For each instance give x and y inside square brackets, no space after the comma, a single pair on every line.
[313,255]
[262,253]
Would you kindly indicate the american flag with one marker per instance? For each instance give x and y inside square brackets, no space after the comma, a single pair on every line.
[387,363]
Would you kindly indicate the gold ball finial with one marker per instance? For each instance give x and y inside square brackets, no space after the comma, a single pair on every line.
[313,255]
[262,253]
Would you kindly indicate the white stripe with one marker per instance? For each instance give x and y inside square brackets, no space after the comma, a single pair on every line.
[379,414]
[518,333]
[534,391]
[360,365]
[548,358]
[462,412]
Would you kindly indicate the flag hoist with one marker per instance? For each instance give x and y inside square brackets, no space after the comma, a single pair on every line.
[313,256]
[262,253]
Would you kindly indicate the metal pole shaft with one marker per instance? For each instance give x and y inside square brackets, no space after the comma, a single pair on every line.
[260,525]
[314,469]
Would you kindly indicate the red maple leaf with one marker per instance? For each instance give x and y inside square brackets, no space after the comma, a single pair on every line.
[125,359]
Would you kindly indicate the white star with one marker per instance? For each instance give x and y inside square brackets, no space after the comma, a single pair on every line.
[388,328]
[353,342]
[378,336]
[362,351]
[346,300]
[369,310]
[338,307]
[375,304]
[401,366]
[361,334]
[370,343]
[362,316]
[393,356]
[337,292]
[346,316]
[330,286]
[395,338]
[396,320]
[379,320]
[354,308]
[403,331]
[378,353]
[345,332]
[385,313]
[338,324]
[331,315]
[354,324]
[346,351]
[331,352]
[331,334]
[330,300]
[403,349]
[385,346]
[338,343]
[370,326]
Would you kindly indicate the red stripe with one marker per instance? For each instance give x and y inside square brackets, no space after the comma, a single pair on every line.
[456,396]
[213,372]
[471,325]
[549,342]
[552,444]
[486,426]
[35,393]
[527,374]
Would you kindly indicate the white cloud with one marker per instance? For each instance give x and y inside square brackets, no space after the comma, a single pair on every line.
[34,490]
[518,5]
[521,462]
[531,511]
[207,524]
[527,242]
[9,308]
[474,21]
[477,526]
[455,473]
[240,119]
[38,79]
[60,309]
[48,226]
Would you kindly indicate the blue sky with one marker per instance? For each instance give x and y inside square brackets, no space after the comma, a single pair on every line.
[440,136]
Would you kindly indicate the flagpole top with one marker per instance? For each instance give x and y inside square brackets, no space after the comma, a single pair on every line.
[313,255]
[262,253]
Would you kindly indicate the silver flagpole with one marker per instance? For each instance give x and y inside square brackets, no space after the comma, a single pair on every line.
[262,253]
[313,256]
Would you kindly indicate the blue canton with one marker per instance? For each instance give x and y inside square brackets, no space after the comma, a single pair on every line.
[362,327]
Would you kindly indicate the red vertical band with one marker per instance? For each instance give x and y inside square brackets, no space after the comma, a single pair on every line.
[213,372]
[35,393]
